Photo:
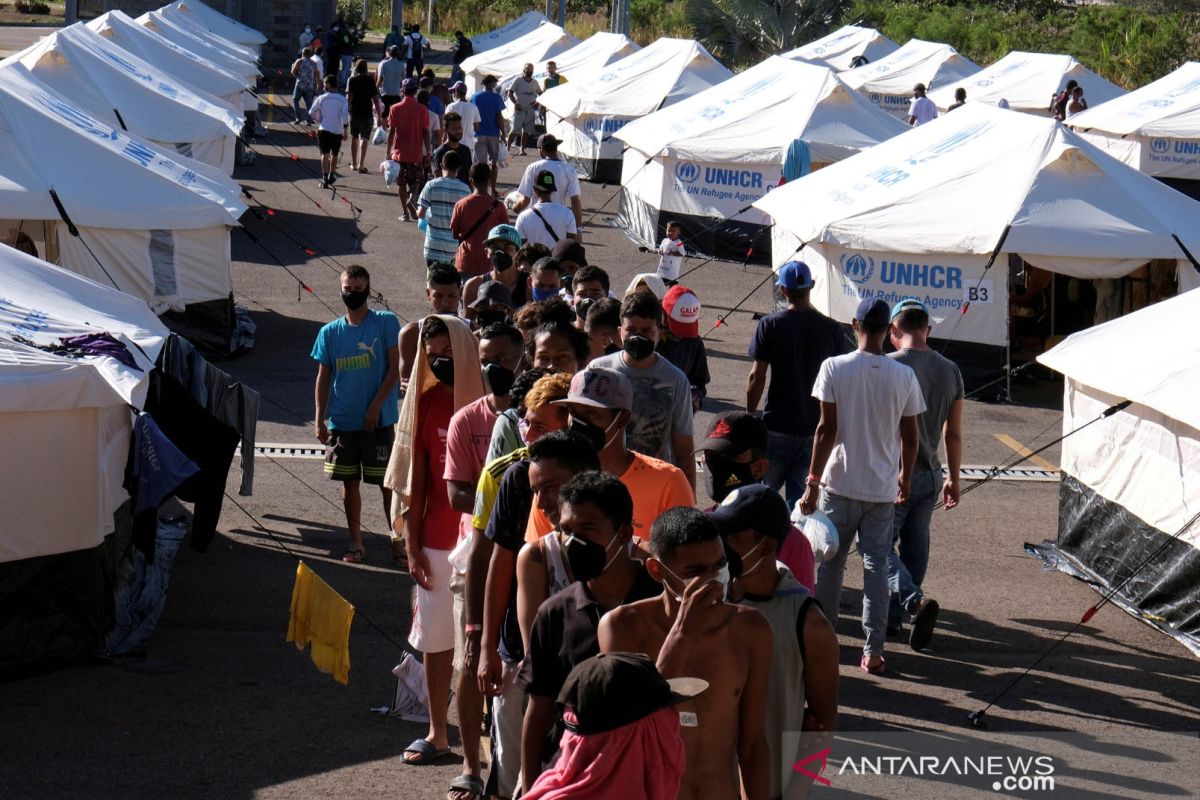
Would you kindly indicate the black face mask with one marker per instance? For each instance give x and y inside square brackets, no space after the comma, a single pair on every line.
[442,369]
[587,560]
[501,260]
[488,316]
[724,476]
[610,349]
[638,347]
[499,379]
[593,433]
[354,300]
[582,306]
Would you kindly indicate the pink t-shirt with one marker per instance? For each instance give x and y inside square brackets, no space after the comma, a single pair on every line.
[467,443]
[797,555]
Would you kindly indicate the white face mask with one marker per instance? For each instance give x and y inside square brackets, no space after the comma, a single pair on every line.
[747,570]
[721,577]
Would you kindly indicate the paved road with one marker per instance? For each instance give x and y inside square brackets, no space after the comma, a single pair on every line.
[228,709]
[18,37]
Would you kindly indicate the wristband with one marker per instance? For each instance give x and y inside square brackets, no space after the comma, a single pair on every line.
[473,628]
[813,479]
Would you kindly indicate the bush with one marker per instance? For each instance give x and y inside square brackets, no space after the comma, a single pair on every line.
[31,8]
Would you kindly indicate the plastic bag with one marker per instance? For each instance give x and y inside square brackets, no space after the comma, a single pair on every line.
[820,531]
[390,170]
[380,135]
[504,159]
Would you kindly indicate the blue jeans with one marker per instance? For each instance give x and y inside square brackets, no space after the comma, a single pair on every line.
[790,458]
[344,72]
[306,95]
[873,524]
[910,530]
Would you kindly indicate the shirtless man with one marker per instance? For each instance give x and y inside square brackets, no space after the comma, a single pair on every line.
[683,630]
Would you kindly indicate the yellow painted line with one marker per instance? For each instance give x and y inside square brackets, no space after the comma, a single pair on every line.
[271,98]
[1021,449]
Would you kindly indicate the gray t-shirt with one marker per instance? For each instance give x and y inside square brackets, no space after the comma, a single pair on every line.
[941,384]
[526,91]
[662,405]
[391,74]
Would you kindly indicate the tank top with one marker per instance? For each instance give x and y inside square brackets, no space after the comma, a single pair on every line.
[555,565]
[785,683]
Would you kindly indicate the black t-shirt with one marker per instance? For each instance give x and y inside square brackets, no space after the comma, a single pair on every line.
[564,633]
[362,92]
[506,528]
[795,344]
[464,159]
[691,358]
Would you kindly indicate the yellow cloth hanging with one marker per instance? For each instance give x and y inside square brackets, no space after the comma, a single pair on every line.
[322,617]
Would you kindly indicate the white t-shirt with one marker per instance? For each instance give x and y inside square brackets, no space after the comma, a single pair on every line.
[320,72]
[923,109]
[470,118]
[871,395]
[331,112]
[670,258]
[558,217]
[565,178]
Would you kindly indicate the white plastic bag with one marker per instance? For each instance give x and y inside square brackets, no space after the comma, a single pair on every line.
[390,170]
[380,135]
[820,531]
[504,159]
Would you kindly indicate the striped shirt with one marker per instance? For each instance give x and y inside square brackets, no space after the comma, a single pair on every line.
[438,199]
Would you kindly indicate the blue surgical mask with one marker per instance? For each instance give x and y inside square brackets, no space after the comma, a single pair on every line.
[544,294]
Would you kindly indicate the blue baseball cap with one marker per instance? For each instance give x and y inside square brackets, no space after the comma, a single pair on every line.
[906,303]
[504,232]
[874,312]
[794,275]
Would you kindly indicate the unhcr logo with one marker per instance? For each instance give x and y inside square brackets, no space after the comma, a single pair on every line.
[1160,145]
[687,172]
[858,268]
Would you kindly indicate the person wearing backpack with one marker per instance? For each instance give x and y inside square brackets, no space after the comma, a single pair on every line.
[546,222]
[473,218]
[462,49]
[304,70]
[417,43]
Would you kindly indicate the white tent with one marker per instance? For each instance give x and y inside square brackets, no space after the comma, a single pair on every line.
[709,156]
[207,17]
[173,59]
[839,49]
[219,58]
[544,41]
[513,30]
[1131,481]
[1155,128]
[115,85]
[150,222]
[582,61]
[889,82]
[65,421]
[928,213]
[584,114]
[1029,82]
[189,23]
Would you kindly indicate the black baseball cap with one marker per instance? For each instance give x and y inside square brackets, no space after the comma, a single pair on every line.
[545,181]
[874,312]
[735,432]
[493,292]
[611,690]
[754,507]
[569,250]
[548,141]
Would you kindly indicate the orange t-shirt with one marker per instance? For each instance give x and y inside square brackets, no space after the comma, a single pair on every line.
[654,486]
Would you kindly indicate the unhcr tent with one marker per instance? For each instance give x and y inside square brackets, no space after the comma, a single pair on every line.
[208,52]
[706,159]
[585,114]
[205,16]
[935,213]
[188,23]
[543,42]
[1155,128]
[175,60]
[66,427]
[139,218]
[116,86]
[1131,481]
[580,62]
[1029,82]
[520,26]
[839,49]
[889,82]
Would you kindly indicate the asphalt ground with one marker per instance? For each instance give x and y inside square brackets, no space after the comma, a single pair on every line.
[223,707]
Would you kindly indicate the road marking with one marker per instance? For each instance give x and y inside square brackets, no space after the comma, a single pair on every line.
[1022,450]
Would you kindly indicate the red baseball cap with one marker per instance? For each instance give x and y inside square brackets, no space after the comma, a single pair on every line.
[682,309]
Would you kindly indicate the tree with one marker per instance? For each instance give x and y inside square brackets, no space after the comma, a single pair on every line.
[745,31]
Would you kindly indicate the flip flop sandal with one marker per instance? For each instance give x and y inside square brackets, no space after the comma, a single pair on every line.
[426,753]
[472,784]
[865,665]
[354,556]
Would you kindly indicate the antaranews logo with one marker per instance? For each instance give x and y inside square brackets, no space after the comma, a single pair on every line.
[1008,773]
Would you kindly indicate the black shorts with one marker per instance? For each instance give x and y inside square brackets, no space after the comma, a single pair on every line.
[362,125]
[329,142]
[359,455]
[389,100]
